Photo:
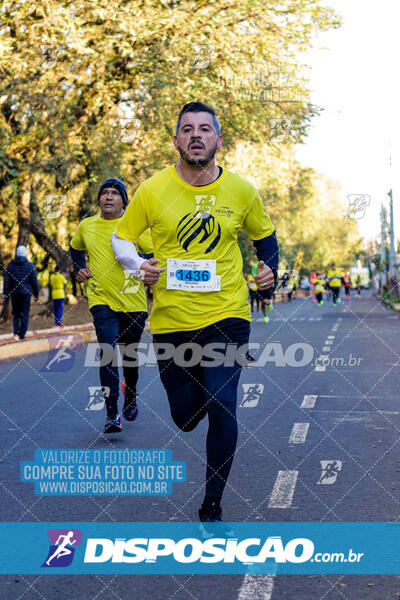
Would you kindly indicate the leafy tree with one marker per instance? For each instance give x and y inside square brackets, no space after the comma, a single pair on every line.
[92,89]
[305,207]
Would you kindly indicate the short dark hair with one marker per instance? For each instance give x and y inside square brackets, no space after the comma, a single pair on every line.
[57,268]
[196,107]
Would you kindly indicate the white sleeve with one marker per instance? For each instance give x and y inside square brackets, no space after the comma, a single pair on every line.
[126,254]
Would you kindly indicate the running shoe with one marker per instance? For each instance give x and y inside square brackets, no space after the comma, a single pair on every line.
[130,410]
[16,337]
[266,319]
[113,424]
[320,303]
[270,307]
[249,357]
[339,300]
[212,524]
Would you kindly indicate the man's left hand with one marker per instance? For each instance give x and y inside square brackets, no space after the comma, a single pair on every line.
[264,277]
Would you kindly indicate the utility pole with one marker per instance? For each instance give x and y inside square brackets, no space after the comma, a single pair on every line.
[383,249]
[392,254]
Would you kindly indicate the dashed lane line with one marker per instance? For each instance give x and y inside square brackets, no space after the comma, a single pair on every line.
[299,433]
[309,401]
[256,587]
[283,490]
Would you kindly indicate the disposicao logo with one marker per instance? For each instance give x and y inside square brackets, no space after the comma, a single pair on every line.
[190,550]
[62,547]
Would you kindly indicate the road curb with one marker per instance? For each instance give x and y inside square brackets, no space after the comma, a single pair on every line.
[41,344]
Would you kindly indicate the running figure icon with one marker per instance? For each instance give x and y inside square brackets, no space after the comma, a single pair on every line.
[62,549]
[62,352]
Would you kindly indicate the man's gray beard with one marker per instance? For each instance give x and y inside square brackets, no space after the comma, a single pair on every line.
[197,162]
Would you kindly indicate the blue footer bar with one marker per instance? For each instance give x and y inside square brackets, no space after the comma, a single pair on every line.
[156,548]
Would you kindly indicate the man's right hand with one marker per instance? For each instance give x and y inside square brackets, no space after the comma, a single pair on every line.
[82,275]
[149,273]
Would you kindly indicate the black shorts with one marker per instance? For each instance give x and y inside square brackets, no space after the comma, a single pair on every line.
[267,294]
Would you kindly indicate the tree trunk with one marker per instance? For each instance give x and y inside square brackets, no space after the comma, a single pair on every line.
[24,224]
[61,257]
[2,269]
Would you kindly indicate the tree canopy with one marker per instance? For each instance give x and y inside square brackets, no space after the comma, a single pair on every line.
[91,90]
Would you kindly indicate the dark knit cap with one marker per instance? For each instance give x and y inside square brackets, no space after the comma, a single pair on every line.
[117,184]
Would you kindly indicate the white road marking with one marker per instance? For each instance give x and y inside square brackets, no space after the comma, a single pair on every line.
[289,319]
[328,341]
[283,490]
[369,412]
[256,587]
[331,337]
[299,433]
[366,397]
[308,402]
[326,349]
[320,368]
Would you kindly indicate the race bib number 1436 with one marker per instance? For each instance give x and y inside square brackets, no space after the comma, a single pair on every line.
[192,275]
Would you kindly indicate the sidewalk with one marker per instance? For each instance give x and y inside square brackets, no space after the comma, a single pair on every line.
[38,340]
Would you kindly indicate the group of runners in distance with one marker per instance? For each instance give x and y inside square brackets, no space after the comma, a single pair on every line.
[331,284]
[318,284]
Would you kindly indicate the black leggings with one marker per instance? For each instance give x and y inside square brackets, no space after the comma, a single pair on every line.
[335,293]
[117,328]
[196,391]
[254,298]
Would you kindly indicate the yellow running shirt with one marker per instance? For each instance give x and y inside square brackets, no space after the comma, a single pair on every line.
[252,284]
[109,284]
[57,282]
[319,285]
[335,277]
[190,223]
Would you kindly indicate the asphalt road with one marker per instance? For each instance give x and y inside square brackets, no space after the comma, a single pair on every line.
[343,410]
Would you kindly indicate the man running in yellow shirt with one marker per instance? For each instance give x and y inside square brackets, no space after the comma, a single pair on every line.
[319,286]
[254,299]
[334,277]
[57,283]
[195,210]
[117,299]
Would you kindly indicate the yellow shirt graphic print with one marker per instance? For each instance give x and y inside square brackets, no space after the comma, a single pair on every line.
[200,225]
[194,227]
